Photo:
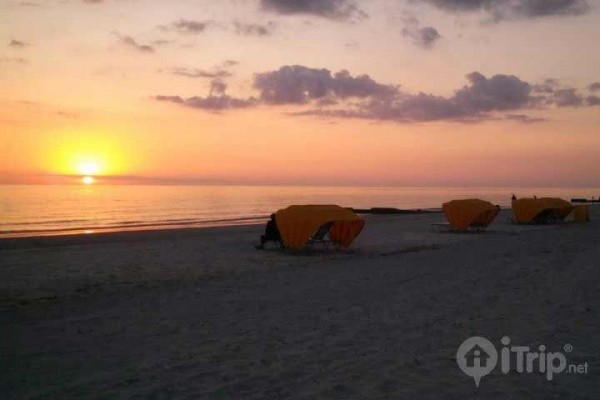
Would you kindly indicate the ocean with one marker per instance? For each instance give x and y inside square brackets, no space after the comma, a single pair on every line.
[32,210]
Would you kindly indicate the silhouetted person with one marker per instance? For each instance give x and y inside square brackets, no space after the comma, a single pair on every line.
[271,233]
[513,197]
[535,197]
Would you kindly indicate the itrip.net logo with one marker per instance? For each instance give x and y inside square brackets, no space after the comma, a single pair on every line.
[477,357]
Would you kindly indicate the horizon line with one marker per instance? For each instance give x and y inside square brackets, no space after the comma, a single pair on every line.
[108,180]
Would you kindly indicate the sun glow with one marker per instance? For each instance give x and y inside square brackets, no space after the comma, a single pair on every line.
[88,180]
[87,151]
[89,168]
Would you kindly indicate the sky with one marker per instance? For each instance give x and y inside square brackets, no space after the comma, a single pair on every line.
[323,92]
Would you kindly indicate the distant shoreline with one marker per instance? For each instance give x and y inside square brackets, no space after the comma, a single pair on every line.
[62,237]
[51,237]
[74,232]
[35,211]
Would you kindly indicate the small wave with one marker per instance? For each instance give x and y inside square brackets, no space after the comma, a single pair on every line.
[134,225]
[51,222]
[179,220]
[126,223]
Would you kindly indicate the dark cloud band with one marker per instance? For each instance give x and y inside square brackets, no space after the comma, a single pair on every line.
[513,9]
[331,9]
[341,95]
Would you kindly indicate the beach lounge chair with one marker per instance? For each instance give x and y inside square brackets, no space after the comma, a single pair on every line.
[320,237]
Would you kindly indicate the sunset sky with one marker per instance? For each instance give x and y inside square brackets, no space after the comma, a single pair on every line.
[379,92]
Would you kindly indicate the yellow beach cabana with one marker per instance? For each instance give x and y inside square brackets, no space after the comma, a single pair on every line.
[297,224]
[581,213]
[532,211]
[470,213]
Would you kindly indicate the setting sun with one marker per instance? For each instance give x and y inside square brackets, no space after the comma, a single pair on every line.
[89,168]
[88,180]
[95,152]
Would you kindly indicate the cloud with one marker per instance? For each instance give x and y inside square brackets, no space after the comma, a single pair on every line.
[477,101]
[192,27]
[319,92]
[593,101]
[524,119]
[132,44]
[500,10]
[547,87]
[171,99]
[217,87]
[331,9]
[219,71]
[566,98]
[18,44]
[552,93]
[248,29]
[472,103]
[500,92]
[187,26]
[298,85]
[424,37]
[201,73]
[217,99]
[212,102]
[593,87]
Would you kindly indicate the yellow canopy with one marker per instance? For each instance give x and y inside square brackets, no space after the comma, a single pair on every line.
[297,224]
[471,212]
[581,213]
[528,210]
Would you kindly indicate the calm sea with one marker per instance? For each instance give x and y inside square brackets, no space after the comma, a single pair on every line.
[30,210]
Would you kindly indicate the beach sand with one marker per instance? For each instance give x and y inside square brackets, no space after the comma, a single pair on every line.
[201,314]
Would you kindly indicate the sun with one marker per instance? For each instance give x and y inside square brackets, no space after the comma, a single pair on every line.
[89,168]
[88,180]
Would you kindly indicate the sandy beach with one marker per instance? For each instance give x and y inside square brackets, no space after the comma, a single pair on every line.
[200,313]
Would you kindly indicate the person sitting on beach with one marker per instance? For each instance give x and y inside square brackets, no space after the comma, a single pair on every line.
[271,233]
